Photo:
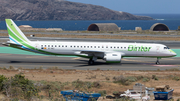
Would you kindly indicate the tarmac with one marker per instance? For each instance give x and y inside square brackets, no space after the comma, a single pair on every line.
[36,61]
[18,58]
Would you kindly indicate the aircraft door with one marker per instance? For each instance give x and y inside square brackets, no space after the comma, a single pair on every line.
[157,49]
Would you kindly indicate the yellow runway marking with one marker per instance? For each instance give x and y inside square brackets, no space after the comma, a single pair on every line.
[4,54]
[136,61]
[168,59]
[76,58]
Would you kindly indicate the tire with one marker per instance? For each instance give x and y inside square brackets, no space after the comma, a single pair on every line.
[91,62]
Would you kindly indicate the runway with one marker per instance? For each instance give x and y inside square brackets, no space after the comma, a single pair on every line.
[35,61]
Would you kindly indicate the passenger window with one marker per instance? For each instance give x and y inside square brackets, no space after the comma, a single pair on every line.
[98,46]
[94,46]
[66,45]
[48,45]
[62,45]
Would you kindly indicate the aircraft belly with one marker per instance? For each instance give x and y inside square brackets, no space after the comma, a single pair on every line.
[69,52]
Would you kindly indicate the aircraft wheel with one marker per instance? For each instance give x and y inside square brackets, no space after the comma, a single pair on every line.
[91,62]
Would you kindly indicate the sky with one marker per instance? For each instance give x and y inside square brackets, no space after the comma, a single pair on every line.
[138,6]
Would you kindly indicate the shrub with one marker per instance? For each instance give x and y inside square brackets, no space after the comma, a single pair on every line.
[146,79]
[102,92]
[155,77]
[172,69]
[96,84]
[2,78]
[176,78]
[19,86]
[122,80]
[51,88]
[125,80]
[139,77]
[107,78]
[81,84]
[11,68]
[132,79]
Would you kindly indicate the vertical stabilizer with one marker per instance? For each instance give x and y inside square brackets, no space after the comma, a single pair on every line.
[15,34]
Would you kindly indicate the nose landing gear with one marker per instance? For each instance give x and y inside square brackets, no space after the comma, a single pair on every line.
[157,62]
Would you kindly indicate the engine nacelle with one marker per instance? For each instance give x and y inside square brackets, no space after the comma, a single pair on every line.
[112,57]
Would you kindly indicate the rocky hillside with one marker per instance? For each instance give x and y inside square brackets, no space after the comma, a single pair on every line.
[59,10]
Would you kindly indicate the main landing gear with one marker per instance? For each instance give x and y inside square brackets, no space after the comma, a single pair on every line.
[157,62]
[92,60]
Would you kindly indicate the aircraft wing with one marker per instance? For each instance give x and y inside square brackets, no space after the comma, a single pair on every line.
[90,53]
[87,52]
[96,53]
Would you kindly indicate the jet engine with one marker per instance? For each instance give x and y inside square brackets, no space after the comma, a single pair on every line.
[113,57]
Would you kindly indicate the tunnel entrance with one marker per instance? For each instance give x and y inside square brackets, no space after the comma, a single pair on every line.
[103,27]
[159,27]
[93,27]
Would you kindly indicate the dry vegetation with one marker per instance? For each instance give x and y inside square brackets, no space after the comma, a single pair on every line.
[51,81]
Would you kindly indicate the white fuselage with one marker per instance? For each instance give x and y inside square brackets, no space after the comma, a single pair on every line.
[126,49]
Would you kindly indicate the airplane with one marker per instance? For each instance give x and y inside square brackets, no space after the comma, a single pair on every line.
[111,52]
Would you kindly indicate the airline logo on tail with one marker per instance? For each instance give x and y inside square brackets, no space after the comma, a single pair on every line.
[16,35]
[19,40]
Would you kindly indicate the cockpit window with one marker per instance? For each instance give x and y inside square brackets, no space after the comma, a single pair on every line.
[166,47]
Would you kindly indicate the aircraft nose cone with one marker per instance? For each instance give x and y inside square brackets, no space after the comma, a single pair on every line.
[174,54]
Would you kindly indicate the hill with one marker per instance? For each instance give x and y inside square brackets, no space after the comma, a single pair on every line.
[60,10]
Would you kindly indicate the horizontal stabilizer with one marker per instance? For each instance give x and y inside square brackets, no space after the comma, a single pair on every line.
[11,44]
